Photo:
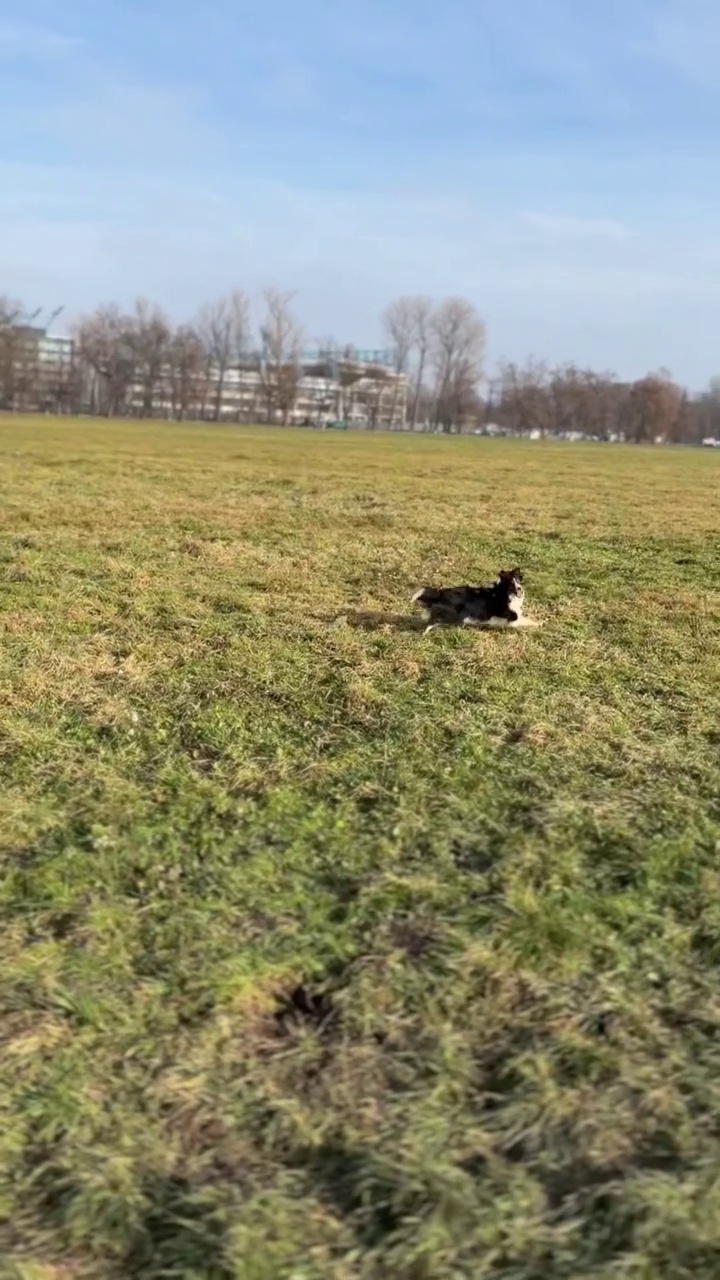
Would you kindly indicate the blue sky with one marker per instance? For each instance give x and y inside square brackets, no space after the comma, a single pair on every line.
[556,161]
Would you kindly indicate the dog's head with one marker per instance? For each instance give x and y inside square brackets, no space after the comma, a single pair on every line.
[512,578]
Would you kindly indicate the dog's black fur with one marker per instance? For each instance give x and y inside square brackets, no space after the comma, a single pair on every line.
[475,606]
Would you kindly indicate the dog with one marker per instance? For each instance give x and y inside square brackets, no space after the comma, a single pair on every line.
[499,605]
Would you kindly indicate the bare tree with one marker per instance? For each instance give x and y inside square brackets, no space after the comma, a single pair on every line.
[458,346]
[185,372]
[60,390]
[223,328]
[25,378]
[422,312]
[11,311]
[460,406]
[527,401]
[652,409]
[151,335]
[535,398]
[106,346]
[280,355]
[567,400]
[376,395]
[399,323]
[682,430]
[707,413]
[601,398]
[13,338]
[327,399]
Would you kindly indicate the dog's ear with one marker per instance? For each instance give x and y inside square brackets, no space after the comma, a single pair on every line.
[516,574]
[505,575]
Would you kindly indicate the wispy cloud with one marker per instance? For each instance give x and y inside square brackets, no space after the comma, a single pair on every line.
[685,38]
[26,40]
[587,297]
[107,116]
[564,226]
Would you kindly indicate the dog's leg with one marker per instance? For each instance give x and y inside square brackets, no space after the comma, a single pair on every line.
[524,622]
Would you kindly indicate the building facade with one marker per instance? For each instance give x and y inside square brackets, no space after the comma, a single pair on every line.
[37,370]
[362,388]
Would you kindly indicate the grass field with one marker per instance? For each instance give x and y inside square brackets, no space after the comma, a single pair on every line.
[331,951]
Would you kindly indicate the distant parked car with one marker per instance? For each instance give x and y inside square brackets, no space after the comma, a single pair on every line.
[710,442]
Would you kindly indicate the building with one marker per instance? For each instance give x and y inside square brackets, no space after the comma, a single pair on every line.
[361,388]
[55,350]
[36,368]
[43,371]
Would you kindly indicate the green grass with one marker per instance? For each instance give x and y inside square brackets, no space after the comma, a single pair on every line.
[333,952]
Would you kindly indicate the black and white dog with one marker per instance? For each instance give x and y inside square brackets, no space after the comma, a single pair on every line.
[498,605]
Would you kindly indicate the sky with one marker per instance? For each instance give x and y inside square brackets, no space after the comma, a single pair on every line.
[554,161]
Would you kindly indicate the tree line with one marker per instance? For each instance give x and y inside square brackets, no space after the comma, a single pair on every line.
[139,361]
[537,398]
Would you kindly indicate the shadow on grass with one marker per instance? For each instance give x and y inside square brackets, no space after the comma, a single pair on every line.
[371,620]
[179,1236]
[358,1188]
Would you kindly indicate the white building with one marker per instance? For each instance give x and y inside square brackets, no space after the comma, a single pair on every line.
[361,388]
[54,349]
[43,371]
